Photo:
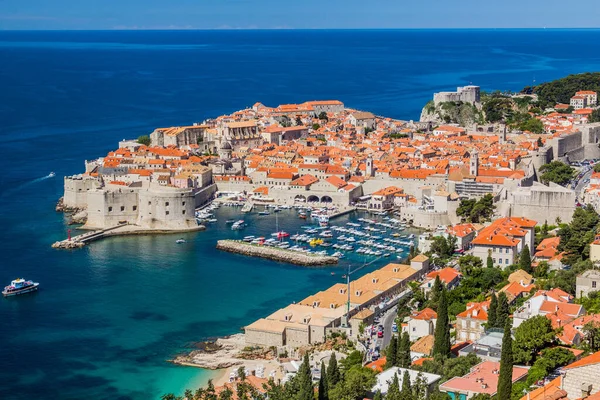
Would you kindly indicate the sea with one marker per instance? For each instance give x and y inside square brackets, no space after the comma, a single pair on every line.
[108,317]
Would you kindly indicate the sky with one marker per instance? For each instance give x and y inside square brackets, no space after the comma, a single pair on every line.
[294,14]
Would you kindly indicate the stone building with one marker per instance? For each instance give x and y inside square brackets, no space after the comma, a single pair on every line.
[466,94]
[470,323]
[580,379]
[178,135]
[587,282]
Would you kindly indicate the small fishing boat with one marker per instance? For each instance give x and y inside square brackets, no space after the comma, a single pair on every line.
[180,241]
[263,213]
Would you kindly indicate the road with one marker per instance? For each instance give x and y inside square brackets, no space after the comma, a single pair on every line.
[387,322]
[581,183]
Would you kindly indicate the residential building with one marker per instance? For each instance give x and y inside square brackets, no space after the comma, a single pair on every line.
[421,323]
[448,276]
[422,347]
[504,239]
[482,379]
[587,282]
[538,305]
[487,347]
[385,378]
[580,379]
[470,323]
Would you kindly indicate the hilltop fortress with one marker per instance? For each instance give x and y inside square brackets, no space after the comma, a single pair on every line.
[320,153]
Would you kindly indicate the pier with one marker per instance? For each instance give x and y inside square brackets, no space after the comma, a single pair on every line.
[276,254]
[79,241]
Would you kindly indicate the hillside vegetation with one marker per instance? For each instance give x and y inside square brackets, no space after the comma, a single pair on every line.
[561,90]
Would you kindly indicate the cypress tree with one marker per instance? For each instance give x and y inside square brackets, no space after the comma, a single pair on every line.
[406,392]
[306,391]
[489,262]
[391,353]
[378,395]
[506,366]
[503,310]
[323,387]
[333,372]
[525,259]
[441,343]
[403,359]
[435,292]
[492,311]
[394,389]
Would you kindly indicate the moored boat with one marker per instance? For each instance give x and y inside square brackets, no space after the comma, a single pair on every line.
[19,286]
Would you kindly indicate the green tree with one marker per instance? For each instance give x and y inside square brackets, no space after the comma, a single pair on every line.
[168,396]
[436,290]
[549,360]
[531,337]
[323,115]
[540,143]
[561,90]
[506,365]
[227,394]
[393,392]
[595,116]
[557,172]
[188,394]
[209,393]
[503,310]
[378,395]
[525,259]
[492,311]
[391,353]
[298,120]
[406,393]
[355,385]
[145,140]
[315,126]
[333,372]
[489,262]
[403,359]
[304,378]
[441,343]
[591,331]
[420,387]
[465,207]
[323,387]
[532,125]
[468,263]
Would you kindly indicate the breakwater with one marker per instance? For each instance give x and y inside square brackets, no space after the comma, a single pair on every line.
[276,254]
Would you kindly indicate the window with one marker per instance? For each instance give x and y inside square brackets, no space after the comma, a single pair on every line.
[166,213]
[594,284]
[109,209]
[122,208]
[183,211]
[149,203]
[507,261]
[183,203]
[134,208]
[166,204]
[494,261]
[414,329]
[506,251]
[500,261]
[494,249]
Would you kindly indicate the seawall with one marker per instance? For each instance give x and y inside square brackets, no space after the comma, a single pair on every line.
[276,254]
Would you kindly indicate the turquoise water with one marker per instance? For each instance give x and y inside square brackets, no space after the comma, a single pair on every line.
[109,315]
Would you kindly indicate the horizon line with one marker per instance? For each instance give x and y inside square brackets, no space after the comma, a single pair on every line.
[173,29]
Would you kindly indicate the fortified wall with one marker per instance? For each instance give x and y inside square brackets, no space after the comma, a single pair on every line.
[578,145]
[539,202]
[76,190]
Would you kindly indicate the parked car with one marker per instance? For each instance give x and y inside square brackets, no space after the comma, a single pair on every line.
[380,334]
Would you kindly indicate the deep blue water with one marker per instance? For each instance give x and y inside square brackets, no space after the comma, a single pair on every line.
[109,315]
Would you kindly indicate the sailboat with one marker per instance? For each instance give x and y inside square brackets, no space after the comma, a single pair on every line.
[279,234]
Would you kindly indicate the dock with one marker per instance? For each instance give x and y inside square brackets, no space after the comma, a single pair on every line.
[275,254]
[79,241]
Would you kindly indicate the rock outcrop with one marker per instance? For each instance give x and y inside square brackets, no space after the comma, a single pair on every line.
[276,254]
[223,353]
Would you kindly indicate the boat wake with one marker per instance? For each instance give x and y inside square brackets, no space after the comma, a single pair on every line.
[28,183]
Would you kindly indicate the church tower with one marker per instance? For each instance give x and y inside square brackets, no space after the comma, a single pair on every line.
[369,171]
[474,165]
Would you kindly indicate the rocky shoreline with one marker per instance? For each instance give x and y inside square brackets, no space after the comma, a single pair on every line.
[276,254]
[222,353]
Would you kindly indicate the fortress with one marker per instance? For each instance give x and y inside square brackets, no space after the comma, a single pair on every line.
[466,94]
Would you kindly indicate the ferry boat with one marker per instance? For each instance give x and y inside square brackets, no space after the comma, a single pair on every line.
[19,286]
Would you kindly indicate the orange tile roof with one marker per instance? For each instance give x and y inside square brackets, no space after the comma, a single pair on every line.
[589,360]
[446,275]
